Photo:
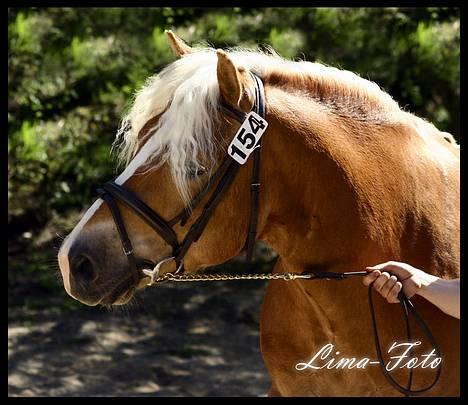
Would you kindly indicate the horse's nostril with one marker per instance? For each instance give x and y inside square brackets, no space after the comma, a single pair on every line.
[82,269]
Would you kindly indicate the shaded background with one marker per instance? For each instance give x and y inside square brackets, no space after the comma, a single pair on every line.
[71,74]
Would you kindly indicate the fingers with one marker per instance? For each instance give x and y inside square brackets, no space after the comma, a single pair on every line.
[380,282]
[402,270]
[371,277]
[387,287]
[388,279]
[392,296]
[385,284]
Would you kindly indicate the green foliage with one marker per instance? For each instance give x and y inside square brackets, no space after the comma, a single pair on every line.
[72,72]
[287,42]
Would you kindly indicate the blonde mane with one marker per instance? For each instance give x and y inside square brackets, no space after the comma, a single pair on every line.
[186,93]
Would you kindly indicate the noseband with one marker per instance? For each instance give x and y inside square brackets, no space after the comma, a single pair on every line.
[246,141]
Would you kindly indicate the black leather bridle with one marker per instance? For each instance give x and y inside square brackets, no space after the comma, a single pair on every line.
[224,175]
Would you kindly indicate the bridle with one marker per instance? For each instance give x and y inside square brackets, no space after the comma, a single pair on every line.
[224,177]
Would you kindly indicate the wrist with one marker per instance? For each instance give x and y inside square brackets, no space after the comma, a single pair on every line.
[426,281]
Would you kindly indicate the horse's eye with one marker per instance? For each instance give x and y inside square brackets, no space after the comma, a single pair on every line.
[197,171]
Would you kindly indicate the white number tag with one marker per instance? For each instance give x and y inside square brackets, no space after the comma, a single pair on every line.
[247,137]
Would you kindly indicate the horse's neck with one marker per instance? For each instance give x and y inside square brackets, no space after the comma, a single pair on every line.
[308,206]
[326,203]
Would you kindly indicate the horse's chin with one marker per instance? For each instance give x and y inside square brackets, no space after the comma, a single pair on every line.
[88,302]
[143,283]
[125,298]
[122,293]
[121,299]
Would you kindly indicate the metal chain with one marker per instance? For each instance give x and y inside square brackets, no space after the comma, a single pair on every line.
[229,277]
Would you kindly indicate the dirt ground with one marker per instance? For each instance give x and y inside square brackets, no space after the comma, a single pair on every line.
[173,340]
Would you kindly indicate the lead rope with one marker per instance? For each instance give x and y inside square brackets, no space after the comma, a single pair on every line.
[406,304]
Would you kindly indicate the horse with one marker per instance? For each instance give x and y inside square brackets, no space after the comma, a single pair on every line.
[348,179]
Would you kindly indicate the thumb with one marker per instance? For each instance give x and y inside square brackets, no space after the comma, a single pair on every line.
[398,269]
[400,272]
[380,266]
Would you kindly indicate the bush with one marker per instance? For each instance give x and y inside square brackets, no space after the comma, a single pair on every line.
[71,73]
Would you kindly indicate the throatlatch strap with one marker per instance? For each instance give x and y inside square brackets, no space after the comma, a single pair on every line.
[255,184]
[197,228]
[184,215]
[231,168]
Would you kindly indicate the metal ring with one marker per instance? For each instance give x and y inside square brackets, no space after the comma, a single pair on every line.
[181,266]
[127,253]
[154,274]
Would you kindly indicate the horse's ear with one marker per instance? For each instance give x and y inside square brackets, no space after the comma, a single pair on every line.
[179,47]
[229,79]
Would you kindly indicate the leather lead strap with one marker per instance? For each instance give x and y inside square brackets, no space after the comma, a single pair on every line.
[408,307]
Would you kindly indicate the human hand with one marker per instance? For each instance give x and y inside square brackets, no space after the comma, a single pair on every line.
[391,277]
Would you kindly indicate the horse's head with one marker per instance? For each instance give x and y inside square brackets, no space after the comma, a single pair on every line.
[173,138]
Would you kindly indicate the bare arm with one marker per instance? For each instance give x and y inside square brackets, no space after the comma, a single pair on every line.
[391,277]
[445,294]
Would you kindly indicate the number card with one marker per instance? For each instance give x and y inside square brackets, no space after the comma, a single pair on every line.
[247,137]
